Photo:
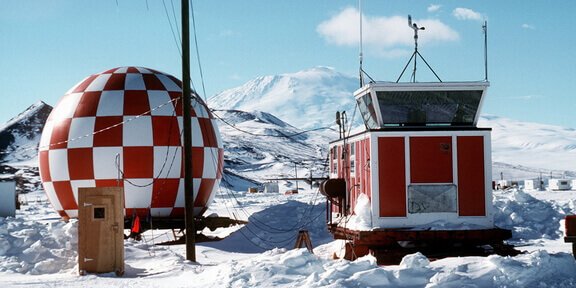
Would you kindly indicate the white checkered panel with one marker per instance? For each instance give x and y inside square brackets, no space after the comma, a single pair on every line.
[123,127]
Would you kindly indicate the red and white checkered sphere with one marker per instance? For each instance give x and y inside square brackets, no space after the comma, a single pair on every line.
[123,127]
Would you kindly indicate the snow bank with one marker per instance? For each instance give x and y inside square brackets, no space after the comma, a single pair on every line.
[30,247]
[536,269]
[299,268]
[528,218]
[39,250]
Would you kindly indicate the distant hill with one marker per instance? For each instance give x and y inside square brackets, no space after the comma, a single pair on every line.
[261,146]
[20,136]
[310,98]
[542,146]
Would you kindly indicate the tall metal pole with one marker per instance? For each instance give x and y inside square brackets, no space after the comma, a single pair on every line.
[361,56]
[296,173]
[485,28]
[186,106]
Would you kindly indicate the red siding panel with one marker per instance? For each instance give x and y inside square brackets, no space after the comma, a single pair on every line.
[363,168]
[431,159]
[367,169]
[392,176]
[471,194]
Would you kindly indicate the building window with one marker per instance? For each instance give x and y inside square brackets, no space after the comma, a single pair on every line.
[352,168]
[352,160]
[432,198]
[334,152]
[99,213]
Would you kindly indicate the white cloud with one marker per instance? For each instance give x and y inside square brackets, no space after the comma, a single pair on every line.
[384,33]
[466,14]
[235,76]
[228,33]
[434,7]
[528,26]
[526,97]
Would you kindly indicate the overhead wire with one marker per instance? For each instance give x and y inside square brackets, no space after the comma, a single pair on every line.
[176,22]
[94,132]
[267,135]
[304,220]
[197,50]
[259,224]
[178,43]
[264,243]
[262,226]
[176,148]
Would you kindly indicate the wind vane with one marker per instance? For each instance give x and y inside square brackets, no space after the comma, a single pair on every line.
[415,27]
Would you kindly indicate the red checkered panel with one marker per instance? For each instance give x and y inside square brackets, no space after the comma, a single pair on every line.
[123,127]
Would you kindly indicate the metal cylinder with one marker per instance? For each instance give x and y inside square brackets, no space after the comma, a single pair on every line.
[333,188]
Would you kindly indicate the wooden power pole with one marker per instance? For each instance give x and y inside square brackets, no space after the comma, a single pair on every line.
[186,106]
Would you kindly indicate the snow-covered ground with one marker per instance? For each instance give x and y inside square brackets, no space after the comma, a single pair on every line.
[39,250]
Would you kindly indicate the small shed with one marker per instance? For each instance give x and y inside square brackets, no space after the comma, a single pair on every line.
[559,184]
[8,198]
[100,230]
[271,187]
[504,184]
[534,184]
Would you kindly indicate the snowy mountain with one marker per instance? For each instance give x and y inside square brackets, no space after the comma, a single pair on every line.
[305,99]
[260,146]
[20,136]
[309,98]
[540,148]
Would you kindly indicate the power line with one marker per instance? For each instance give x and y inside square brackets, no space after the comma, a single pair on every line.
[178,43]
[176,148]
[95,132]
[197,50]
[267,135]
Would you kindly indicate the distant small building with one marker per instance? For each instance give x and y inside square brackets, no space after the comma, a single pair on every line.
[503,184]
[534,184]
[8,198]
[559,184]
[252,190]
[271,187]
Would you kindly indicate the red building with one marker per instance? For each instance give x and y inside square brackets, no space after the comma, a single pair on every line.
[423,165]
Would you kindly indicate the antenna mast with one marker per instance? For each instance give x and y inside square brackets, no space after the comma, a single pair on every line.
[361,56]
[416,53]
[485,29]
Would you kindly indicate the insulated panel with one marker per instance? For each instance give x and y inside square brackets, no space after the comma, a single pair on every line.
[471,189]
[392,176]
[431,159]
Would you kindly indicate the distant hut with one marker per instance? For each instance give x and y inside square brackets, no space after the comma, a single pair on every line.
[534,184]
[559,184]
[271,187]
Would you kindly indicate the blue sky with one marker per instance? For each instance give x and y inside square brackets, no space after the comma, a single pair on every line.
[48,46]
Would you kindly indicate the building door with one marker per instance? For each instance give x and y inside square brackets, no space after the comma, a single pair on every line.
[100,230]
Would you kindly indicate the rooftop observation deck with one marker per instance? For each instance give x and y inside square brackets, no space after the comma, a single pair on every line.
[422,105]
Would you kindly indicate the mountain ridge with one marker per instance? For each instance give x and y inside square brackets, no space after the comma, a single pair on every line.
[19,137]
[258,139]
[304,97]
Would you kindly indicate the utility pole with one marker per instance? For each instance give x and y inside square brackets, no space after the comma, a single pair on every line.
[186,106]
[485,29]
[296,173]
